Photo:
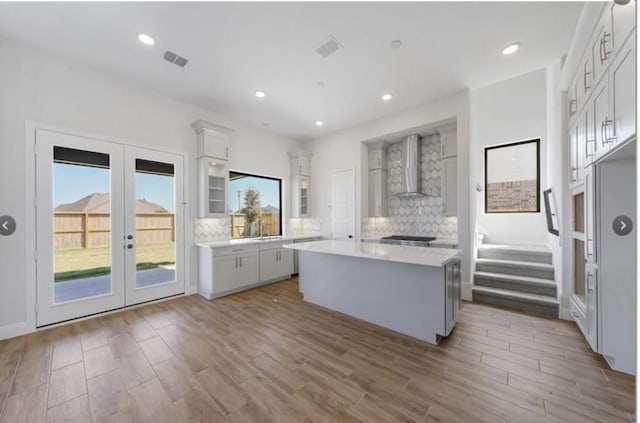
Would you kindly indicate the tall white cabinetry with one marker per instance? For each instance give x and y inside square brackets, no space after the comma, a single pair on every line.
[449,169]
[602,131]
[300,183]
[213,175]
[377,179]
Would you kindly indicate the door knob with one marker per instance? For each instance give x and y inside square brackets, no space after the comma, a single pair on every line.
[129,236]
[130,246]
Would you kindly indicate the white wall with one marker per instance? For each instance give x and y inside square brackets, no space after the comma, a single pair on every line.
[36,86]
[344,150]
[508,111]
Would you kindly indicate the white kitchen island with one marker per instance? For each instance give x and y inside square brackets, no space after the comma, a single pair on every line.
[412,290]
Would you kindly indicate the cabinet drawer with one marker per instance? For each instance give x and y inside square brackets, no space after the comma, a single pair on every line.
[234,250]
[272,245]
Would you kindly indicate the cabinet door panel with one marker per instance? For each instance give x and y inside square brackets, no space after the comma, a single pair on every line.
[590,146]
[285,263]
[590,230]
[623,21]
[573,154]
[249,269]
[602,46]
[591,321]
[622,85]
[225,274]
[268,264]
[601,118]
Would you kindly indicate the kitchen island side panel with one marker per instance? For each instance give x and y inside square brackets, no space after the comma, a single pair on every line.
[407,298]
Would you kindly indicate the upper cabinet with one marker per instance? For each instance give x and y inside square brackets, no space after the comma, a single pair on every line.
[448,141]
[300,183]
[300,163]
[212,140]
[213,174]
[377,157]
[377,179]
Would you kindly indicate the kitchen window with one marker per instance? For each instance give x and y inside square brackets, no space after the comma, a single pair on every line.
[512,177]
[255,205]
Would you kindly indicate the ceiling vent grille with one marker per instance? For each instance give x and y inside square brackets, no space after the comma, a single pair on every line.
[329,46]
[171,57]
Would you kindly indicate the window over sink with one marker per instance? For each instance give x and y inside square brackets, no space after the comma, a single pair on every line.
[255,205]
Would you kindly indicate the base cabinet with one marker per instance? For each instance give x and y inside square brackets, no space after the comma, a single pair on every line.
[276,264]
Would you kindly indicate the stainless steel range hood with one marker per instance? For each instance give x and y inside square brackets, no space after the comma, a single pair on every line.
[410,167]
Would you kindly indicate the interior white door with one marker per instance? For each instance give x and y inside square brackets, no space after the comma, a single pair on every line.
[79,227]
[109,229]
[343,204]
[153,238]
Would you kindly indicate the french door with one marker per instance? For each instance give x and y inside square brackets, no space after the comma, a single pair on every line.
[109,226]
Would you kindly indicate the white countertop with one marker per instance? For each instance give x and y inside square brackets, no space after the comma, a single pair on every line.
[247,241]
[387,252]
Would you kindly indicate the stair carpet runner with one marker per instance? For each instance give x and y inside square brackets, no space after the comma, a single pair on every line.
[517,277]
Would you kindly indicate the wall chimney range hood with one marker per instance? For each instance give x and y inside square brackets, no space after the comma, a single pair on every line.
[410,167]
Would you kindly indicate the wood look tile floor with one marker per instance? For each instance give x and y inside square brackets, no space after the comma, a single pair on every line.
[266,356]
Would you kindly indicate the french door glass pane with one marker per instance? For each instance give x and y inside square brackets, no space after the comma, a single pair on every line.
[82,224]
[155,237]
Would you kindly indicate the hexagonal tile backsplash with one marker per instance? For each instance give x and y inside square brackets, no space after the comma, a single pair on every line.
[419,216]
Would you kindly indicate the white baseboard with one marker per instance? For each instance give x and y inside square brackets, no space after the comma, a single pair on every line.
[16,329]
[467,291]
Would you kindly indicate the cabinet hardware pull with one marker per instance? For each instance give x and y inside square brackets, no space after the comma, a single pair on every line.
[584,80]
[589,288]
[571,109]
[237,249]
[226,152]
[236,262]
[603,47]
[574,314]
[240,261]
[608,139]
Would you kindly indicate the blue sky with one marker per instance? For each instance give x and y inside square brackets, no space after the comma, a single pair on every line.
[268,191]
[72,182]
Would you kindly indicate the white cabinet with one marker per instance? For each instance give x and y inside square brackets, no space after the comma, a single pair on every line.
[449,186]
[225,270]
[213,179]
[300,163]
[275,262]
[622,87]
[623,17]
[601,46]
[212,139]
[377,157]
[377,193]
[448,141]
[300,184]
[300,206]
[600,107]
[590,252]
[591,316]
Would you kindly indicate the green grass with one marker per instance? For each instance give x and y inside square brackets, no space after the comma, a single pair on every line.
[80,263]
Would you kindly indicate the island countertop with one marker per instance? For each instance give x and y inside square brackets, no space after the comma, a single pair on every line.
[387,252]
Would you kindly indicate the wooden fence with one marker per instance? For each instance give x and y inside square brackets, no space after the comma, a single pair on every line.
[87,230]
[270,226]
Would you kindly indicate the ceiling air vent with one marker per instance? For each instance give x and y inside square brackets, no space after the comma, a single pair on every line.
[329,46]
[170,56]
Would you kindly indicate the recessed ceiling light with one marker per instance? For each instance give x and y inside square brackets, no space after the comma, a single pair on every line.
[510,49]
[146,39]
[396,44]
[319,123]
[387,96]
[260,94]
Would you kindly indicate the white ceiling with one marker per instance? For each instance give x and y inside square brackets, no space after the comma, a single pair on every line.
[235,49]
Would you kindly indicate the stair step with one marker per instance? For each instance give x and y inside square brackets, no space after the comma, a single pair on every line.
[522,253]
[530,303]
[516,283]
[519,268]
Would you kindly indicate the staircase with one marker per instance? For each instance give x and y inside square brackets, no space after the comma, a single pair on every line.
[517,277]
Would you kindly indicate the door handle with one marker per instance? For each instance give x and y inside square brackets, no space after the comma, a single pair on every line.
[572,103]
[129,246]
[236,262]
[129,236]
[240,261]
[226,152]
